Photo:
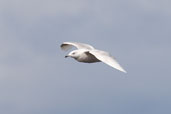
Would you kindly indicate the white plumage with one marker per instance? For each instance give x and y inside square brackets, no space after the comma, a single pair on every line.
[88,54]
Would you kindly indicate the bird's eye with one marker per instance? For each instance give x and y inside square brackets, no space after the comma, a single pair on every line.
[73,53]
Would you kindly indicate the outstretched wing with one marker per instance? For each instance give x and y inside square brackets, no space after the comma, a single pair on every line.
[107,58]
[68,45]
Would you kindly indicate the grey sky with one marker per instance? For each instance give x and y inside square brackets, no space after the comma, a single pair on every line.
[35,78]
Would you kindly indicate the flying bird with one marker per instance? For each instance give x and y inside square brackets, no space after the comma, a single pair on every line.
[88,54]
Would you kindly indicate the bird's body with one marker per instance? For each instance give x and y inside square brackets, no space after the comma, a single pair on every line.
[86,57]
[88,54]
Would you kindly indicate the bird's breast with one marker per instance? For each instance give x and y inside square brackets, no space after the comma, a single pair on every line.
[87,58]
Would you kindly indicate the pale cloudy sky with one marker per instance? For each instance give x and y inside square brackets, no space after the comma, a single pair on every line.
[35,78]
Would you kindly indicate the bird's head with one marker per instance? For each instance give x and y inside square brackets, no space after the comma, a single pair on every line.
[73,54]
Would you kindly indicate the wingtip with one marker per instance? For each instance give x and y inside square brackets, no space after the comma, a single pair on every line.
[62,46]
[122,70]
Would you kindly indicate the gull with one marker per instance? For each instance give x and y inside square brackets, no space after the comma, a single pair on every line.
[88,54]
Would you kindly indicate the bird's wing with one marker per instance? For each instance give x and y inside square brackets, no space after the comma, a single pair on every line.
[68,45]
[107,58]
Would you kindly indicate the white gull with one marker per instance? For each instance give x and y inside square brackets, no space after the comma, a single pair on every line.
[88,54]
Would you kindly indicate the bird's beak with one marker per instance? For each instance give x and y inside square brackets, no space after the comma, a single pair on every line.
[66,56]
